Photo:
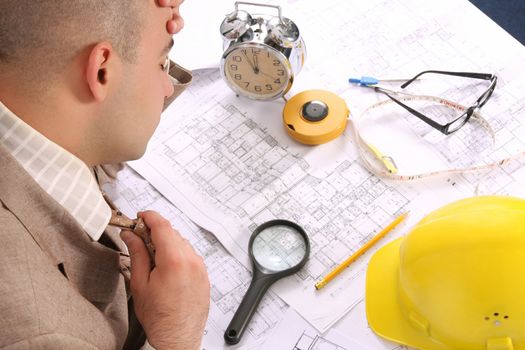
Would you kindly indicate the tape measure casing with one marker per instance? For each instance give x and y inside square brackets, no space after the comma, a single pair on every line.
[314,117]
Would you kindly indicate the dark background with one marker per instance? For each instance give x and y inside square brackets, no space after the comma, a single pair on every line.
[509,14]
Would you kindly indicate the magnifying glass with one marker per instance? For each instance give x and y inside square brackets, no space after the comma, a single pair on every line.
[277,248]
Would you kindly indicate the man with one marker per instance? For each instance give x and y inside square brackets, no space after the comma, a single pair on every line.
[83,83]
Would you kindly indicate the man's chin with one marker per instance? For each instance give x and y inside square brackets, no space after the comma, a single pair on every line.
[137,155]
[131,153]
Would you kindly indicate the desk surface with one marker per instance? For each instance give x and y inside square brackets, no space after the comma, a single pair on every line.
[509,14]
[228,164]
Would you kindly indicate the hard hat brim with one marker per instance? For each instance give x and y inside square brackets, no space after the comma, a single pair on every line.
[383,309]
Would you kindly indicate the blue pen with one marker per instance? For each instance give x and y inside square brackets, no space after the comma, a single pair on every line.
[368,81]
[364,81]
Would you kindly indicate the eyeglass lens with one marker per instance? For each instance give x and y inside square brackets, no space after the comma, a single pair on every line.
[460,121]
[485,97]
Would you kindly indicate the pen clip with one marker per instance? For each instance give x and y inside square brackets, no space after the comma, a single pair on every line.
[137,226]
[367,81]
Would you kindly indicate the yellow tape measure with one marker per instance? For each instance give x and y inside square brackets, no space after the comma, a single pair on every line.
[314,117]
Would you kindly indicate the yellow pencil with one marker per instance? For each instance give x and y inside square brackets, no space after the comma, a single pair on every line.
[359,252]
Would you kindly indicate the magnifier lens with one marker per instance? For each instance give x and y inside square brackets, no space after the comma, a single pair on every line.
[278,248]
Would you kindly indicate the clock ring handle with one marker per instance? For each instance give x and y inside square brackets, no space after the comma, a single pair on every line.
[278,8]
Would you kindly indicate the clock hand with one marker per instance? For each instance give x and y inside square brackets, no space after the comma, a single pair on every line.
[256,64]
[268,75]
[251,64]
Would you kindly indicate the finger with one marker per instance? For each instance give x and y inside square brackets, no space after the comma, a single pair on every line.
[175,25]
[165,3]
[187,246]
[170,3]
[140,262]
[165,239]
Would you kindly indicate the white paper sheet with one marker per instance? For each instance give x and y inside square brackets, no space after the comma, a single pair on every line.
[294,333]
[355,326]
[199,44]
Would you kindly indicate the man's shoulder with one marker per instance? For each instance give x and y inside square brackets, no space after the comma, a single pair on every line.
[39,303]
[20,311]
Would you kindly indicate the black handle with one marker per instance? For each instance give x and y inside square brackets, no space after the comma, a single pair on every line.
[260,283]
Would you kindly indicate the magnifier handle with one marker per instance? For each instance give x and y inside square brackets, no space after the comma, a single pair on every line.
[248,305]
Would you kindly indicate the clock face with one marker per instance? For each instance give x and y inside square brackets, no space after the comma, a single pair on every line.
[257,72]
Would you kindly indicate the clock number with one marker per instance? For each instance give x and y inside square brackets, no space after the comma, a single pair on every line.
[277,81]
[237,58]
[247,84]
[237,77]
[233,67]
[280,72]
[269,87]
[276,63]
[257,88]
[256,50]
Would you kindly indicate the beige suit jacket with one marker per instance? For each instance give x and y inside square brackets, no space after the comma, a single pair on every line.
[58,288]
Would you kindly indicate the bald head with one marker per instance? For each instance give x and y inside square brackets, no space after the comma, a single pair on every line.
[39,38]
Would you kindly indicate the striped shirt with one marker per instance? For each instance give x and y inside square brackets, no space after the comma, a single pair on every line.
[62,175]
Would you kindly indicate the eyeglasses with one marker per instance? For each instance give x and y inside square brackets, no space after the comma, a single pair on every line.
[456,122]
[166,65]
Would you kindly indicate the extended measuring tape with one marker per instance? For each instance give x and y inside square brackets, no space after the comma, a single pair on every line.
[314,117]
[384,166]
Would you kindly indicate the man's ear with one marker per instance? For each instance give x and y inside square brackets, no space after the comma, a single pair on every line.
[102,68]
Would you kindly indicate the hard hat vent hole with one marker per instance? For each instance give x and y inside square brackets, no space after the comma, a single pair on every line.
[291,126]
[497,321]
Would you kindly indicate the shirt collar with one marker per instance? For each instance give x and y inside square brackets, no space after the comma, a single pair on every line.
[66,178]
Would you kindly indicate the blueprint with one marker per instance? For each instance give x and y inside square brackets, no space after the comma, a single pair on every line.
[228,164]
[229,174]
[274,322]
[229,279]
[355,326]
[350,333]
[293,333]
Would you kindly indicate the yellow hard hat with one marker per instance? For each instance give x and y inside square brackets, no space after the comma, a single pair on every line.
[456,281]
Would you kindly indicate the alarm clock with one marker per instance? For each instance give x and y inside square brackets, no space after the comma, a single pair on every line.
[262,52]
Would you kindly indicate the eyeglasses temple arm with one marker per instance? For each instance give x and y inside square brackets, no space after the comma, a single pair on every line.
[424,118]
[484,76]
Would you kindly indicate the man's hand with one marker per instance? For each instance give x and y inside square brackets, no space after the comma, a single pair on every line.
[172,300]
[176,23]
